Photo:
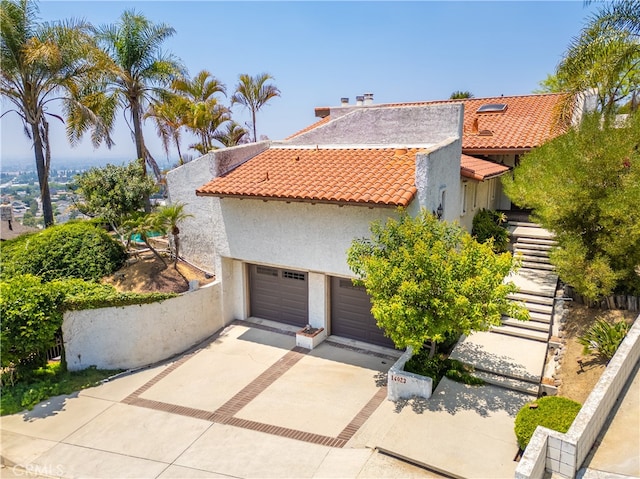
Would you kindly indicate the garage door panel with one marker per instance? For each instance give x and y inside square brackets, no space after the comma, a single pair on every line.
[279,295]
[351,314]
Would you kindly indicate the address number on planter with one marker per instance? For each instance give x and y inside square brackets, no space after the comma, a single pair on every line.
[398,379]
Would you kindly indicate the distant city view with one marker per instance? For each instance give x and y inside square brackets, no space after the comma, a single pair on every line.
[19,187]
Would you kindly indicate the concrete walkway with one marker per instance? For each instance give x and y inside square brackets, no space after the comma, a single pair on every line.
[617,449]
[248,404]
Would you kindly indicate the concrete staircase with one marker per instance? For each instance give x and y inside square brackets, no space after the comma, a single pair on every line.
[512,355]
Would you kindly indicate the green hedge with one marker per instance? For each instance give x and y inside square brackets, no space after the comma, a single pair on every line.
[32,312]
[553,412]
[71,250]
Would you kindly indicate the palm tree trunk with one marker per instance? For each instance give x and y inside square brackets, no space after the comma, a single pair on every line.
[43,175]
[253,118]
[176,245]
[136,117]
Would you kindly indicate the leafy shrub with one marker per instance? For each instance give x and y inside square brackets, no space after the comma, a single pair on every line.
[439,366]
[603,338]
[487,225]
[71,250]
[32,312]
[89,295]
[553,412]
[43,383]
[31,316]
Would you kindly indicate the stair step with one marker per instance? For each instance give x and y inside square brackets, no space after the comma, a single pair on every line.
[537,308]
[531,265]
[545,248]
[508,383]
[532,325]
[534,259]
[535,240]
[531,252]
[535,317]
[522,333]
[527,224]
[530,298]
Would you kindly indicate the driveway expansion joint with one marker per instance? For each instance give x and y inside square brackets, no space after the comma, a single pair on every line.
[225,414]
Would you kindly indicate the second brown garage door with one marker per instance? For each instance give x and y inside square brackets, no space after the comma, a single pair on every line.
[351,314]
[279,294]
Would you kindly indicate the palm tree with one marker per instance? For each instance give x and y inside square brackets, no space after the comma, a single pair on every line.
[605,57]
[253,93]
[459,95]
[204,114]
[140,71]
[169,117]
[42,63]
[169,216]
[233,134]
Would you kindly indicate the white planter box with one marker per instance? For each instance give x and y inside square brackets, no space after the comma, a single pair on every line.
[405,385]
[309,339]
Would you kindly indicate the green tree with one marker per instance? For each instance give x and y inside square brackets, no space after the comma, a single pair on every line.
[232,134]
[551,84]
[168,217]
[113,192]
[585,187]
[253,92]
[459,95]
[139,72]
[605,57]
[429,279]
[41,63]
[168,116]
[203,114]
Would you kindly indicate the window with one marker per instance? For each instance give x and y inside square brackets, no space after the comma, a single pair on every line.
[475,195]
[267,271]
[464,198]
[492,108]
[293,275]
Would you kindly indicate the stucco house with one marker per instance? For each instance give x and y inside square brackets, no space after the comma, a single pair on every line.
[273,220]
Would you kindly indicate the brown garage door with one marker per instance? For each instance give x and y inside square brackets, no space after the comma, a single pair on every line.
[351,314]
[279,294]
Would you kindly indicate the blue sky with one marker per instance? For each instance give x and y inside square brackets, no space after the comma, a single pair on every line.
[319,52]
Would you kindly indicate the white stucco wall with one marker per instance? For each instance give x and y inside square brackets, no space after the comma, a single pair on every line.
[136,336]
[196,233]
[376,125]
[438,173]
[296,235]
[487,196]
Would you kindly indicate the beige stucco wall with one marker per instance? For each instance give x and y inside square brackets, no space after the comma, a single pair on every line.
[136,336]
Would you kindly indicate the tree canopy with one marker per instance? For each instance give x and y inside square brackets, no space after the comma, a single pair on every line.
[429,279]
[113,192]
[253,92]
[585,187]
[43,62]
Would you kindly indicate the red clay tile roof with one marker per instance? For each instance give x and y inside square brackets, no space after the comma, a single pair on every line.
[480,170]
[527,122]
[367,176]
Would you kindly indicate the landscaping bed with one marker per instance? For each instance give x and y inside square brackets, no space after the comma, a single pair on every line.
[577,382]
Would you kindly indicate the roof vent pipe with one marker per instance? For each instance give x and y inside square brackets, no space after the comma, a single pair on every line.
[344,101]
[368,99]
[359,100]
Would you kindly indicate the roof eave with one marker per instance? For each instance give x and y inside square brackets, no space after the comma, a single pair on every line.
[370,204]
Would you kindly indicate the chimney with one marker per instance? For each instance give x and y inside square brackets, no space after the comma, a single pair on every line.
[344,101]
[359,100]
[368,99]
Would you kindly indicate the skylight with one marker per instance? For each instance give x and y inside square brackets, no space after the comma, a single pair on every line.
[492,108]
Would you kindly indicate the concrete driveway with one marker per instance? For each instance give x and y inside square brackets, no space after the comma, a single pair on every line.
[246,404]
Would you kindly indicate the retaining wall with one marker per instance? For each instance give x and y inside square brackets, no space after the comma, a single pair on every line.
[402,384]
[135,336]
[564,454]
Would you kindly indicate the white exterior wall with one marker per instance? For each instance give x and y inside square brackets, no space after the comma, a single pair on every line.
[196,233]
[438,173]
[135,336]
[480,194]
